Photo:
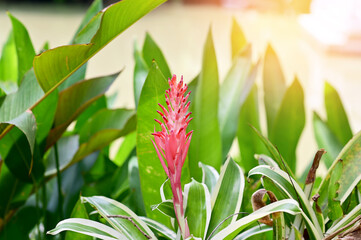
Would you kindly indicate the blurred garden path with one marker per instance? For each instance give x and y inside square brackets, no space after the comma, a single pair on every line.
[180,30]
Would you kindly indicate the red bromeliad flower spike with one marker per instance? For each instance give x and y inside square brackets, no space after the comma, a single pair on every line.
[172,143]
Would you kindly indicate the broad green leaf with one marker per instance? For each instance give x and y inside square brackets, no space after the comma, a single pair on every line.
[274,86]
[9,183]
[275,153]
[151,52]
[24,47]
[292,189]
[350,175]
[334,207]
[44,114]
[287,205]
[136,202]
[198,208]
[326,139]
[24,163]
[289,123]
[206,145]
[99,104]
[67,147]
[20,115]
[103,128]
[54,66]
[210,176]
[107,207]
[249,143]
[345,220]
[233,92]
[8,61]
[141,70]
[336,115]
[126,148]
[227,196]
[150,168]
[87,227]
[75,100]
[238,40]
[253,231]
[94,8]
[166,207]
[159,228]
[79,211]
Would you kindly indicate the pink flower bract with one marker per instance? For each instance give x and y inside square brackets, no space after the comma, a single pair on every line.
[172,142]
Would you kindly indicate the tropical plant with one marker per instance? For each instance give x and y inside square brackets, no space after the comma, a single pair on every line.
[45,164]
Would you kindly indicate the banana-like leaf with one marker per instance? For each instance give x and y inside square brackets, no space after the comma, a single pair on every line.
[238,40]
[54,66]
[274,86]
[21,116]
[226,197]
[110,210]
[253,231]
[24,48]
[326,139]
[350,175]
[150,168]
[9,64]
[334,206]
[210,176]
[292,189]
[74,100]
[287,205]
[289,123]
[198,208]
[103,128]
[206,146]
[159,228]
[232,93]
[87,227]
[249,143]
[336,115]
[92,11]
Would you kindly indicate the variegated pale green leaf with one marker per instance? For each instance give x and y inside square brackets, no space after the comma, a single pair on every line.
[253,231]
[227,196]
[287,205]
[87,227]
[198,208]
[292,189]
[210,176]
[159,228]
[109,209]
[166,207]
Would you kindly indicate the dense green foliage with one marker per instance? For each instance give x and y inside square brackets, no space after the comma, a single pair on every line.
[56,129]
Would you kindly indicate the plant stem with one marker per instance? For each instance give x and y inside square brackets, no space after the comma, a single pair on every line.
[58,176]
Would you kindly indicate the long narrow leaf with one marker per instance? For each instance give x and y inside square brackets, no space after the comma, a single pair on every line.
[87,227]
[109,209]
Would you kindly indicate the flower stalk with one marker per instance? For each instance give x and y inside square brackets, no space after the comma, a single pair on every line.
[172,143]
